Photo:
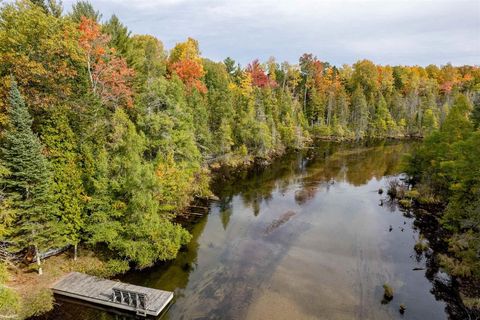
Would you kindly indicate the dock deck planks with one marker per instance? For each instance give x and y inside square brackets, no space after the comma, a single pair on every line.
[97,290]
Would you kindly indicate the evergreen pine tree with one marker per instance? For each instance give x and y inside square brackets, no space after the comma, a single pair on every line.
[84,9]
[41,4]
[28,181]
[119,37]
[6,213]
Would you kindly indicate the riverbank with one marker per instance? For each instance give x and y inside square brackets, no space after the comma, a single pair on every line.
[310,224]
[91,263]
[232,165]
[36,301]
[306,230]
[428,209]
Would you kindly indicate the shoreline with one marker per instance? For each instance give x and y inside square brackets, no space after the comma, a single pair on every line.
[427,219]
[57,266]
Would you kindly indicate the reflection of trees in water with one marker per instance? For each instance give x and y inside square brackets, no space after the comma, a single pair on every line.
[444,287]
[225,206]
[73,309]
[257,185]
[172,275]
[356,166]
[359,165]
[317,168]
[226,290]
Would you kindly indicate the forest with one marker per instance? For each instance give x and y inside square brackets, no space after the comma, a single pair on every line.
[445,171]
[105,135]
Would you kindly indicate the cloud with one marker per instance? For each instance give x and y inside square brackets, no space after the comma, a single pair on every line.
[388,31]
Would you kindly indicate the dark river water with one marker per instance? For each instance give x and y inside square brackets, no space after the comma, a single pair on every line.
[308,237]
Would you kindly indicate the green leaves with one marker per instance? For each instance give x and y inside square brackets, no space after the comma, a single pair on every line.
[42,53]
[119,152]
[126,211]
[27,183]
[61,149]
[448,164]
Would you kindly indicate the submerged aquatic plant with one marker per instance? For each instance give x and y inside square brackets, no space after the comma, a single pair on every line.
[387,293]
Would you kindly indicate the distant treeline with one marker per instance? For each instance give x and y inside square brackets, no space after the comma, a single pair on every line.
[106,135]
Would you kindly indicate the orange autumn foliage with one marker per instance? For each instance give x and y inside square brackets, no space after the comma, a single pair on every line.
[191,73]
[109,74]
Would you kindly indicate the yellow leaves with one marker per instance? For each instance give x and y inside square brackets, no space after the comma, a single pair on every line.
[246,87]
[232,86]
[165,170]
[215,166]
[40,51]
[456,186]
[186,50]
[119,205]
[177,182]
[85,198]
[385,78]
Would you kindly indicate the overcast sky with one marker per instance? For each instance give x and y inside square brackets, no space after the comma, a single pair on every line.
[385,31]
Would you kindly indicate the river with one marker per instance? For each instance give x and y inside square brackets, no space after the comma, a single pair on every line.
[308,237]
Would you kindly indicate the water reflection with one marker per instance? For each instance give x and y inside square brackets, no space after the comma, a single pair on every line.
[305,238]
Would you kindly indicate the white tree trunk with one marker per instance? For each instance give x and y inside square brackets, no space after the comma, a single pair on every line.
[39,262]
[305,100]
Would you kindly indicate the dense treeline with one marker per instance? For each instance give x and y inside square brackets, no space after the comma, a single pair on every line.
[105,135]
[446,171]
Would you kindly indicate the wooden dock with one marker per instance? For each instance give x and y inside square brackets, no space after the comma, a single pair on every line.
[144,301]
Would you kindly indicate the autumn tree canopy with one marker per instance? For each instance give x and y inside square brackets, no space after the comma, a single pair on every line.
[108,73]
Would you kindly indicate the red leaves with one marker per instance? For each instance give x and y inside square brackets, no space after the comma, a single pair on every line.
[447,87]
[312,68]
[191,73]
[259,78]
[109,74]
[113,78]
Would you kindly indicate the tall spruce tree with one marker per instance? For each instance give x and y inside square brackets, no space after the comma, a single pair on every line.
[119,37]
[27,183]
[84,9]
